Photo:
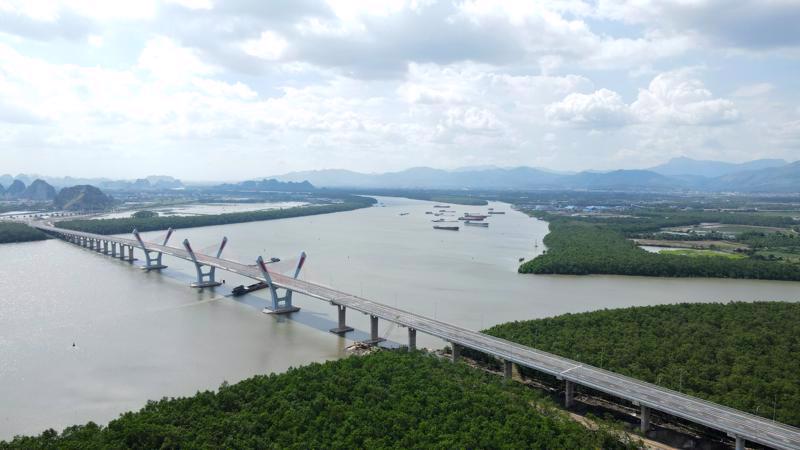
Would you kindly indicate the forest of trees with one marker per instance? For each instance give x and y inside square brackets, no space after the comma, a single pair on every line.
[582,246]
[126,225]
[743,355]
[389,399]
[19,232]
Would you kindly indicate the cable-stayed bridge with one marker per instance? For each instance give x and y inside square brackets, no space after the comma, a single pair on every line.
[739,425]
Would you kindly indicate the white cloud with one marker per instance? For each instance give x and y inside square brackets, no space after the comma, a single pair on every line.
[676,98]
[269,46]
[169,62]
[601,108]
[384,85]
[671,98]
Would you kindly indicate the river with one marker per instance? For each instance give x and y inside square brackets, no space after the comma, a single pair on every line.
[140,336]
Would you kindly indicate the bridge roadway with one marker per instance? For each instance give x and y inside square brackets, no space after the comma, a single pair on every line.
[731,421]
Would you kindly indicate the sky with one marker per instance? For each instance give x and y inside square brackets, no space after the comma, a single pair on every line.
[235,89]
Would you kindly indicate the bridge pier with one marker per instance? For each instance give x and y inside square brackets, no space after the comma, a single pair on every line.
[644,418]
[456,353]
[280,305]
[374,338]
[739,443]
[508,369]
[204,279]
[105,247]
[342,328]
[412,339]
[569,394]
[113,249]
[152,262]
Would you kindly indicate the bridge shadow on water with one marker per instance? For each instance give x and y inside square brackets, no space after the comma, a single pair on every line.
[312,319]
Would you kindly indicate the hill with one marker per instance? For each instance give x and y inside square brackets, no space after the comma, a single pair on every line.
[774,179]
[390,399]
[679,174]
[712,169]
[743,355]
[269,185]
[39,190]
[428,178]
[82,198]
[620,179]
[16,189]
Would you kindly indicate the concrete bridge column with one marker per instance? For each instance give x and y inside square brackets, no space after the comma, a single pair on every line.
[508,369]
[105,247]
[342,328]
[569,393]
[644,424]
[739,443]
[456,354]
[373,328]
[412,339]
[113,249]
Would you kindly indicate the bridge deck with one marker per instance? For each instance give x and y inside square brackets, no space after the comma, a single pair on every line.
[729,420]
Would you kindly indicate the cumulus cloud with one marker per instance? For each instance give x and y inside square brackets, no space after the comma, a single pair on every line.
[602,108]
[676,98]
[376,85]
[672,98]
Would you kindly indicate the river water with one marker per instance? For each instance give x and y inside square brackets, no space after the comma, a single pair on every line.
[140,336]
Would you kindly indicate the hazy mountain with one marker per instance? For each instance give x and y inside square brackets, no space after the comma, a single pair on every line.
[268,185]
[774,179]
[16,189]
[428,178]
[152,182]
[39,190]
[621,179]
[688,166]
[2,191]
[82,198]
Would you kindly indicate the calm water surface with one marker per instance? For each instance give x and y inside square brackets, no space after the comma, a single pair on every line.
[141,336]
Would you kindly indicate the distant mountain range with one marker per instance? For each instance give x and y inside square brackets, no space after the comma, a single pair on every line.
[152,182]
[679,174]
[711,169]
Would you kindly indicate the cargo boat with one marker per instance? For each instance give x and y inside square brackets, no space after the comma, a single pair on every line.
[472,218]
[242,289]
[476,224]
[438,227]
[441,206]
[497,212]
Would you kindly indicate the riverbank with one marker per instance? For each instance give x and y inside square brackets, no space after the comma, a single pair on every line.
[11,232]
[125,225]
[584,246]
[394,399]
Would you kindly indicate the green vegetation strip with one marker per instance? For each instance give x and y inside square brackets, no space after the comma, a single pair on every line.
[582,246]
[19,232]
[743,355]
[390,399]
[126,225]
[693,253]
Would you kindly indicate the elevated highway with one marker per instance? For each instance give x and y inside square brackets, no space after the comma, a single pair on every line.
[739,425]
